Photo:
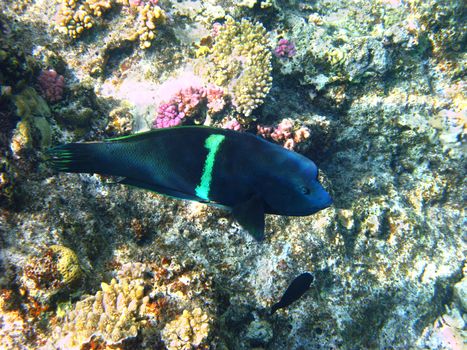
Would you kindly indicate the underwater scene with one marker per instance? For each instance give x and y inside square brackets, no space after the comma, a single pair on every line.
[233,175]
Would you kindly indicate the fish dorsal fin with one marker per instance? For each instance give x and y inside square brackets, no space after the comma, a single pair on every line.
[250,215]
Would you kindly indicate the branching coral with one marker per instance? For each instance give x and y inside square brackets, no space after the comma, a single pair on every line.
[285,132]
[51,85]
[140,297]
[187,102]
[74,16]
[241,62]
[149,17]
[114,313]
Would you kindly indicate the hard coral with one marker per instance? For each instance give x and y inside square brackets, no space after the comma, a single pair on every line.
[140,300]
[232,124]
[187,331]
[114,314]
[14,328]
[241,62]
[285,49]
[74,16]
[186,103]
[150,16]
[51,85]
[56,268]
[285,132]
[168,115]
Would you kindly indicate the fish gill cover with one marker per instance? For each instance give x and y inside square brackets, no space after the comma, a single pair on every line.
[373,91]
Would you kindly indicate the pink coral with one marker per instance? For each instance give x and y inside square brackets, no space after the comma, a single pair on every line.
[51,85]
[232,124]
[186,102]
[284,133]
[285,49]
[264,131]
[215,97]
[136,3]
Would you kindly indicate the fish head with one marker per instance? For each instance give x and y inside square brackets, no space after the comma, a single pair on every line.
[293,188]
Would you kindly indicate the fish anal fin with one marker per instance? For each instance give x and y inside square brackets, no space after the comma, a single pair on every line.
[158,189]
[250,215]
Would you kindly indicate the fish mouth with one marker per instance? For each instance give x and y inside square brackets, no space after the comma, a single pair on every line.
[323,199]
[328,201]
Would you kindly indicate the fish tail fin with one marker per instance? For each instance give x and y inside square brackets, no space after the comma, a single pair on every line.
[77,158]
[274,308]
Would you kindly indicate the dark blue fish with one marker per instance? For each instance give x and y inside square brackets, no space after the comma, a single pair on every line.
[296,289]
[237,170]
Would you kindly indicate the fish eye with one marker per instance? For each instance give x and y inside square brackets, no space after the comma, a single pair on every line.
[304,190]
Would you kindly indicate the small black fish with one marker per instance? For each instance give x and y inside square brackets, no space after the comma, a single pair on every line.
[237,170]
[297,288]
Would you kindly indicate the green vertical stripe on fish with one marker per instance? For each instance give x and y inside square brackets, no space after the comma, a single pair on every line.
[212,143]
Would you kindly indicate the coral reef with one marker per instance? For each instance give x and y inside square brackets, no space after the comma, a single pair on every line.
[187,331]
[115,314]
[150,16]
[55,268]
[285,132]
[186,103]
[232,124]
[33,129]
[15,329]
[75,16]
[374,93]
[285,49]
[141,298]
[51,85]
[240,62]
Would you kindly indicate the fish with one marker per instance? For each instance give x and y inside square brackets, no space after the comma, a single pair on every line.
[236,170]
[294,291]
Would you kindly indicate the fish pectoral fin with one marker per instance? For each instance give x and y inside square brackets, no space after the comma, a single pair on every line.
[250,215]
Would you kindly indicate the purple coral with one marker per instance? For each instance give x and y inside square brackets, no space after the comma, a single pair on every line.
[168,115]
[285,49]
[186,102]
[51,85]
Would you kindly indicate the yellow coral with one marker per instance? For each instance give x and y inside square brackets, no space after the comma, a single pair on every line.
[113,313]
[187,331]
[241,61]
[67,264]
[150,16]
[98,6]
[74,16]
[22,137]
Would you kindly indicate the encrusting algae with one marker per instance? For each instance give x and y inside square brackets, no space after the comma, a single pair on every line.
[55,269]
